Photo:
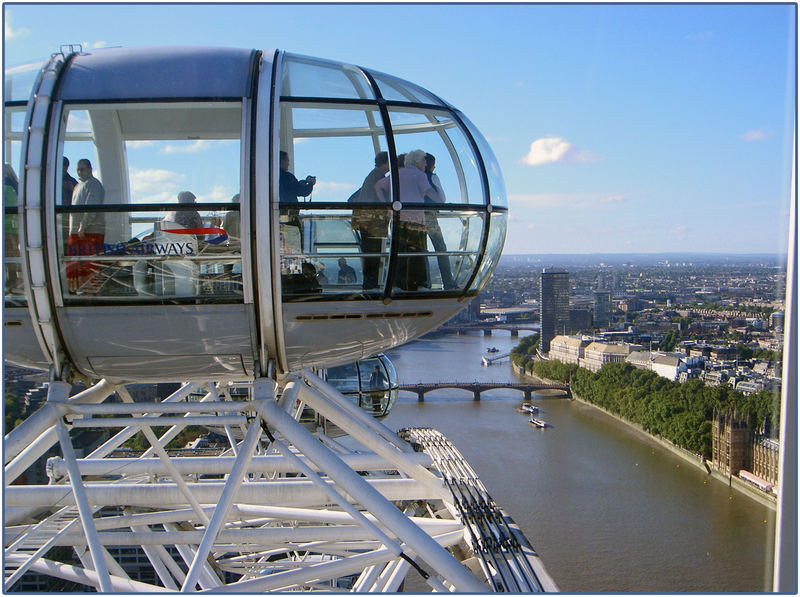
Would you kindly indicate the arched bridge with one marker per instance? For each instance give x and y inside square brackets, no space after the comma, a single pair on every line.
[487,328]
[476,387]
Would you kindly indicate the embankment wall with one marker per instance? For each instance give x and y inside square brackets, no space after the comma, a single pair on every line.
[694,459]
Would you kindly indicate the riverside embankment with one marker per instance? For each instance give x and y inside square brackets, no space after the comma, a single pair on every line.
[696,460]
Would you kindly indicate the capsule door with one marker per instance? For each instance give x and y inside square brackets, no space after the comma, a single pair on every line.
[146,164]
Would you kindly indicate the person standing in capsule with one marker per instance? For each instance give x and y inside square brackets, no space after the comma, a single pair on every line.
[86,229]
[289,187]
[412,272]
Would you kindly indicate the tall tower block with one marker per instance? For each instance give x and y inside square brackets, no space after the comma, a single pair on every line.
[554,305]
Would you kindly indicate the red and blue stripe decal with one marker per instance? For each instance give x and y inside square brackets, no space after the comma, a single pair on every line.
[221,238]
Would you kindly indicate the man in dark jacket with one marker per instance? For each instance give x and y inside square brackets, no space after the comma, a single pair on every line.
[289,187]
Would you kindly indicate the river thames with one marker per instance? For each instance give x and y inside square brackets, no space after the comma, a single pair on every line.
[606,509]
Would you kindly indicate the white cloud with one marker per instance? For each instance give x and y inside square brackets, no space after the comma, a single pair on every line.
[567,200]
[11,32]
[755,135]
[547,151]
[138,144]
[78,121]
[155,197]
[326,190]
[152,183]
[194,147]
[93,45]
[551,150]
[218,194]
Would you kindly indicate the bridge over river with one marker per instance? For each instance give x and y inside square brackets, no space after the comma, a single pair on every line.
[477,387]
[488,328]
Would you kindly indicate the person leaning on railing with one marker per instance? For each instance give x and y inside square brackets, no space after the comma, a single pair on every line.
[411,270]
[432,223]
[372,225]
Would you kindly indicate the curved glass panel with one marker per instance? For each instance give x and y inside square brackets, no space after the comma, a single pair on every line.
[304,76]
[394,89]
[136,222]
[327,253]
[392,372]
[344,378]
[14,291]
[19,80]
[334,144]
[494,248]
[450,247]
[374,387]
[370,383]
[454,172]
[497,188]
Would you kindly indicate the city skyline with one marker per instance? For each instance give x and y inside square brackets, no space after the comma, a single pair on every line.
[618,128]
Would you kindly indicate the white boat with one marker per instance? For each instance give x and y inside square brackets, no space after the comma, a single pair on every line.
[537,423]
[530,408]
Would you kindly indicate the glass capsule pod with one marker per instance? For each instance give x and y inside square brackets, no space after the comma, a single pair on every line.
[209,213]
[370,383]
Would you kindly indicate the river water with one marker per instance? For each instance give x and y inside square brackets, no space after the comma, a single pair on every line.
[606,509]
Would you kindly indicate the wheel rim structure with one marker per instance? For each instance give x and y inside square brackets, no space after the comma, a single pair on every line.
[281,507]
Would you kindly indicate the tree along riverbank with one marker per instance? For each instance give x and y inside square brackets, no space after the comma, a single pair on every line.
[695,459]
[680,412]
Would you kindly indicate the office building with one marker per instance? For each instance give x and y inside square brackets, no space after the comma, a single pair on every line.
[553,305]
[602,309]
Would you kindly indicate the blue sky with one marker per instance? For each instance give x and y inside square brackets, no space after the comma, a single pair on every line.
[619,128]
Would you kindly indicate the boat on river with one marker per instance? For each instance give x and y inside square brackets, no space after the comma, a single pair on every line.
[537,423]
[530,409]
[492,349]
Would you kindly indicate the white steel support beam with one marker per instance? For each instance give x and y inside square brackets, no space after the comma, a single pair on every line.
[87,518]
[212,389]
[335,412]
[220,465]
[154,555]
[176,476]
[229,493]
[29,455]
[366,579]
[367,421]
[271,493]
[330,570]
[139,409]
[165,460]
[173,431]
[252,536]
[113,566]
[207,579]
[25,433]
[355,485]
[157,553]
[26,443]
[121,437]
[391,577]
[187,419]
[89,578]
[358,517]
[9,582]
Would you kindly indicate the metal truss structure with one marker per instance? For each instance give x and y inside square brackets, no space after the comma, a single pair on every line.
[287,506]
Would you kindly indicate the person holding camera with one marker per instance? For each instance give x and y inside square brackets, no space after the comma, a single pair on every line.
[289,187]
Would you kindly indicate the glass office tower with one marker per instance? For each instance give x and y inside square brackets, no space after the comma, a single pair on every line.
[554,305]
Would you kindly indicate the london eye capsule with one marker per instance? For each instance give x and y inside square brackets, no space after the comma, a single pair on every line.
[234,211]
